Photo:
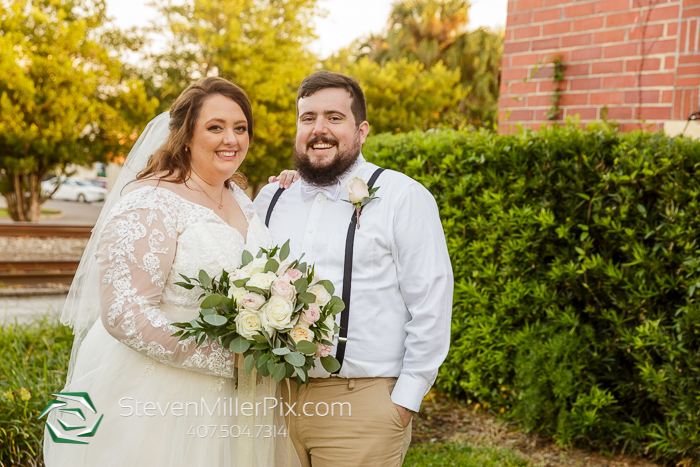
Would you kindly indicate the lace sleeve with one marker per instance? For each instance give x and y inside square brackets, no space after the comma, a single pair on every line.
[136,253]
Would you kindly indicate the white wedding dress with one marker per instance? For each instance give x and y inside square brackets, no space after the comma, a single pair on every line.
[158,395]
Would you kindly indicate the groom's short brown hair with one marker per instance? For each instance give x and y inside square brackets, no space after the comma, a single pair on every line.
[327,79]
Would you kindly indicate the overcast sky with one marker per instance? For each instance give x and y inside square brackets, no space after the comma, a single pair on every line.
[346,19]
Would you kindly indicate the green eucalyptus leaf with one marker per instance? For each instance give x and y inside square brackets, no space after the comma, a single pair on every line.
[301,285]
[211,301]
[328,285]
[330,364]
[241,282]
[260,339]
[239,345]
[290,370]
[306,347]
[295,358]
[279,373]
[204,279]
[281,351]
[257,290]
[187,279]
[306,297]
[249,363]
[215,320]
[284,252]
[272,265]
[246,258]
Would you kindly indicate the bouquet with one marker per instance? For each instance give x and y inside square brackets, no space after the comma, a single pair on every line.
[274,312]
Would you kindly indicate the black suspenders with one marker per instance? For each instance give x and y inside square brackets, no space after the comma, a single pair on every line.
[347,268]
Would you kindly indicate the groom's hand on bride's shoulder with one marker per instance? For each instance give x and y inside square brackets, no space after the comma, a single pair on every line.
[406,415]
[286,178]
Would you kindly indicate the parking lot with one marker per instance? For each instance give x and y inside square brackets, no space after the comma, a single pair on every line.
[73,213]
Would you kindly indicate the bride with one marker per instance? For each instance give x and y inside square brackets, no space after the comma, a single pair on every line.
[177,208]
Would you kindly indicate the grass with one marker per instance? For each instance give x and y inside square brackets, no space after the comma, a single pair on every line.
[33,362]
[44,212]
[461,455]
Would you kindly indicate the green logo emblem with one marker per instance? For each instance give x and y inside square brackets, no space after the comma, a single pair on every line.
[61,403]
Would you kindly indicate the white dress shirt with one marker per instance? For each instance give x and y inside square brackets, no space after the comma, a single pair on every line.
[402,283]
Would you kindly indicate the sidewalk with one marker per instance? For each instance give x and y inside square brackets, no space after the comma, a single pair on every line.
[26,309]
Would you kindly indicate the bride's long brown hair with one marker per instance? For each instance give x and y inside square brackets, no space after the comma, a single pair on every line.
[173,158]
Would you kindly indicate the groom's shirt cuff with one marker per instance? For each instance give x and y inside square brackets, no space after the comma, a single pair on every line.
[409,392]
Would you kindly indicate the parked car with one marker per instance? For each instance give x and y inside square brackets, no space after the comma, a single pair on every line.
[74,189]
[102,183]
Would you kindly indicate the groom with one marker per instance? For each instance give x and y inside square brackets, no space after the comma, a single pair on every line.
[396,281]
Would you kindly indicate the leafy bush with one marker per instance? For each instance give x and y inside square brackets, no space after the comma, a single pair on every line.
[576,265]
[33,363]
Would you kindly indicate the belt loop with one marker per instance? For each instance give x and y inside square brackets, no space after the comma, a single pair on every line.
[351,383]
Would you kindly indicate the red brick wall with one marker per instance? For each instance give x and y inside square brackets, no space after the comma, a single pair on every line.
[640,58]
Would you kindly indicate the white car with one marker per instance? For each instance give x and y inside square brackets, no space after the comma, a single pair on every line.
[74,189]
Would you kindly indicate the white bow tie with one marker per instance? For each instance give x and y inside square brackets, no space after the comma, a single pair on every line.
[309,191]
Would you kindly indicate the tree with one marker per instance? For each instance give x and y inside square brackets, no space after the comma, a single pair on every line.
[403,96]
[435,31]
[63,98]
[261,45]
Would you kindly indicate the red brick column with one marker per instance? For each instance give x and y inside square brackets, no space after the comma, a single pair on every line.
[640,59]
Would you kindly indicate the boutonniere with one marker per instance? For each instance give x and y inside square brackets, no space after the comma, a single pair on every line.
[360,195]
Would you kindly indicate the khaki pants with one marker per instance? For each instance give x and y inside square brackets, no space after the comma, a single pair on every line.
[343,422]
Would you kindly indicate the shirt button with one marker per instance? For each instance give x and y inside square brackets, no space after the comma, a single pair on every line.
[320,200]
[311,230]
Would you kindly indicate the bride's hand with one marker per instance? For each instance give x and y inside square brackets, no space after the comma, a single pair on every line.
[286,178]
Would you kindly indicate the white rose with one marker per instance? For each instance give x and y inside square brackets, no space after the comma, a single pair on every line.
[309,316]
[252,301]
[357,190]
[276,314]
[322,295]
[330,324]
[254,267]
[239,274]
[282,288]
[284,265]
[258,264]
[302,333]
[237,293]
[248,324]
[262,280]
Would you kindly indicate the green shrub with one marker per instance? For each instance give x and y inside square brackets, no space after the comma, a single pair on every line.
[33,363]
[576,264]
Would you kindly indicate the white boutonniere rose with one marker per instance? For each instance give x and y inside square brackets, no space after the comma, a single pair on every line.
[359,195]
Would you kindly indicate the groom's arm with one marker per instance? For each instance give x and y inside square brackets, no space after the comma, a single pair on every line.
[426,283]
[262,200]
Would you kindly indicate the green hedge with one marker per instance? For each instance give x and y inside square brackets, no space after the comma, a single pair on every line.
[576,264]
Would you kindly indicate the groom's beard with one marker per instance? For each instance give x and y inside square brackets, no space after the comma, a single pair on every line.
[331,172]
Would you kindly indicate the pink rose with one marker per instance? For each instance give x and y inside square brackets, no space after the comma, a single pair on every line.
[281,288]
[311,315]
[252,301]
[292,275]
[324,350]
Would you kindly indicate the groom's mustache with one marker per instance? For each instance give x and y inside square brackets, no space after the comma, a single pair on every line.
[322,139]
